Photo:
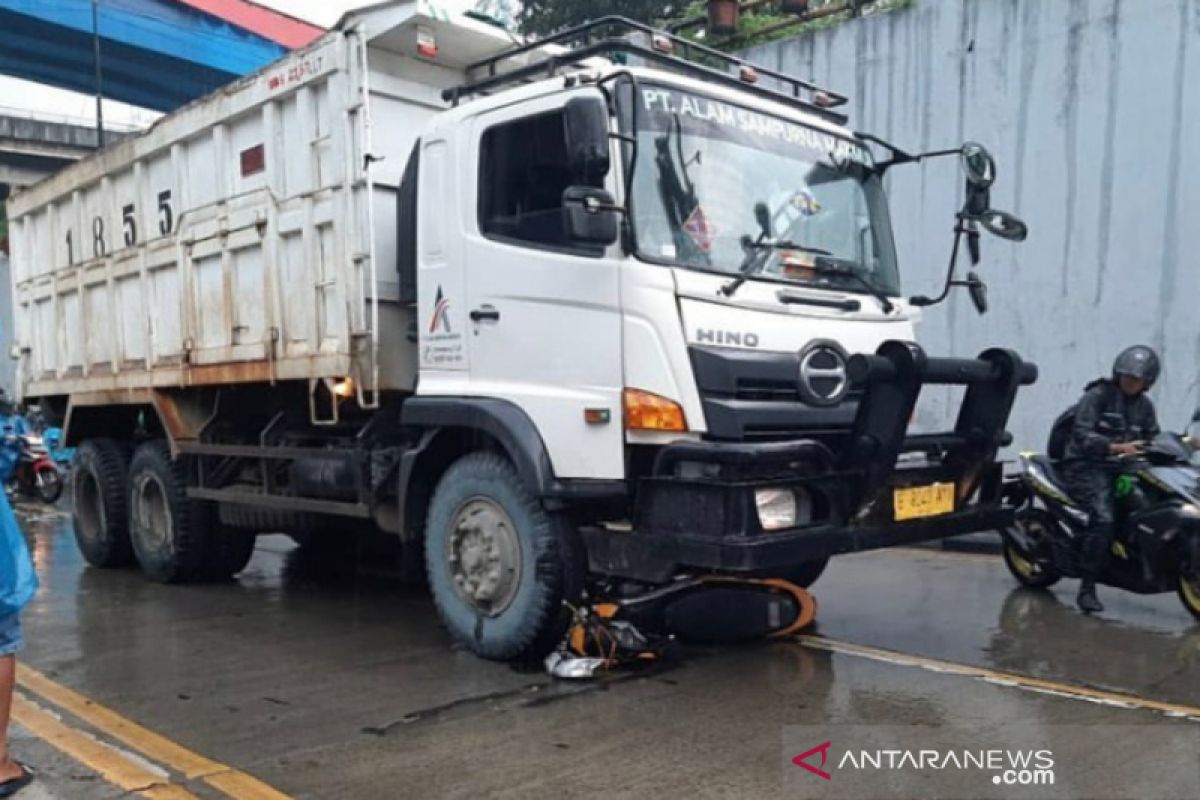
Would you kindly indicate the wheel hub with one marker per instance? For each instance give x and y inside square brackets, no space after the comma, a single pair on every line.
[484,555]
[150,510]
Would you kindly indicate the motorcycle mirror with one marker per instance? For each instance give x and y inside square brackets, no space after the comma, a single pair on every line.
[762,215]
[978,291]
[978,164]
[1004,225]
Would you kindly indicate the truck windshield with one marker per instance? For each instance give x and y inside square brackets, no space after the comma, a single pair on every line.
[704,165]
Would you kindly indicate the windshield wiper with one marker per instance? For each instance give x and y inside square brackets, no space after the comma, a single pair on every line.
[843,268]
[754,263]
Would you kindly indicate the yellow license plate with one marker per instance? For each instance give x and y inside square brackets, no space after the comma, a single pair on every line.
[913,502]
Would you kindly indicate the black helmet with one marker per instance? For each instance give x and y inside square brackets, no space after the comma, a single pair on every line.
[1138,361]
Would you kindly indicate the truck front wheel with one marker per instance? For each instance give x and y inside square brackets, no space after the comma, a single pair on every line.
[499,565]
[99,503]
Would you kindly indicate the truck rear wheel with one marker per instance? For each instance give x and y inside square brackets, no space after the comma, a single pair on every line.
[499,565]
[100,503]
[177,539]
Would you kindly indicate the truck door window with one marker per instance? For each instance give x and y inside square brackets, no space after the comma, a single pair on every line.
[523,172]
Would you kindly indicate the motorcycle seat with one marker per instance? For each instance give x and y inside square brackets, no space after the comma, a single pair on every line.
[1049,469]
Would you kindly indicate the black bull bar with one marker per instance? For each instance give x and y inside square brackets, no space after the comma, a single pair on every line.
[893,378]
[698,508]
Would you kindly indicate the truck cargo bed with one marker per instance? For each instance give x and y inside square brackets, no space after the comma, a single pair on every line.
[247,237]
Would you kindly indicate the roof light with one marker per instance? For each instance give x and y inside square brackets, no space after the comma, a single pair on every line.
[749,74]
[662,44]
[826,100]
[426,42]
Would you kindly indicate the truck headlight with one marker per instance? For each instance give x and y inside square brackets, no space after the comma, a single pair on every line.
[782,508]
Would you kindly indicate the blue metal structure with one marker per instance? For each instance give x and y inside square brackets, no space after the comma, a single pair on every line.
[157,54]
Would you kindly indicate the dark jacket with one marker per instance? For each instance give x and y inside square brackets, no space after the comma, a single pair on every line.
[1090,440]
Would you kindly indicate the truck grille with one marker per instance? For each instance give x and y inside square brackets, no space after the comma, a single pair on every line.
[768,389]
[751,396]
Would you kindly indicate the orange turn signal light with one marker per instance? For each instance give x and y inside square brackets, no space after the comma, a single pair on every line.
[645,411]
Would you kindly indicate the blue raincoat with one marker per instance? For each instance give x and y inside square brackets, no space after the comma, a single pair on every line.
[18,581]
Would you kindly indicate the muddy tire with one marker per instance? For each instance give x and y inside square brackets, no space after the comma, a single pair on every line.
[169,532]
[499,566]
[1025,567]
[100,503]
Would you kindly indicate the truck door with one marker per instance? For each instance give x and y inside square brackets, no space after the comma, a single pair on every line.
[543,316]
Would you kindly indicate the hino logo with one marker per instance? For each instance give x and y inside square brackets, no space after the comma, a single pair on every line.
[729,338]
[823,379]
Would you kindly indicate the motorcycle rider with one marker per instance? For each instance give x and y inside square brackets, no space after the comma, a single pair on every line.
[1112,419]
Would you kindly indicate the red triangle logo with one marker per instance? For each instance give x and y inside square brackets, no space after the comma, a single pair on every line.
[802,759]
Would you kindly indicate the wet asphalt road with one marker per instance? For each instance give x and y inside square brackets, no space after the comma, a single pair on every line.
[325,679]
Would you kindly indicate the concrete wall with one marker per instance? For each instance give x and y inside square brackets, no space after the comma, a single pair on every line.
[1092,110]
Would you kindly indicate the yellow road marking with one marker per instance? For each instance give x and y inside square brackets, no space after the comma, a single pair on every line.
[114,766]
[994,676]
[158,748]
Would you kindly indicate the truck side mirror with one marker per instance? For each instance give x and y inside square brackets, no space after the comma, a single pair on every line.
[590,215]
[1004,225]
[980,169]
[585,123]
[978,165]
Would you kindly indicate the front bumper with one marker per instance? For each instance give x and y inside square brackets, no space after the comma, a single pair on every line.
[710,522]
[767,552]
[697,510]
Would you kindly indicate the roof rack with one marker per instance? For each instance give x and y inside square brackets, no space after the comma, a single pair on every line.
[613,35]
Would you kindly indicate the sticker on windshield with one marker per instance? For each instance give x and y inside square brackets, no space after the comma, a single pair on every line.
[666,109]
[700,229]
[804,202]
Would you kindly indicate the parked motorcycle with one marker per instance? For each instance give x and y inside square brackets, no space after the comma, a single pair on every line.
[1157,544]
[35,476]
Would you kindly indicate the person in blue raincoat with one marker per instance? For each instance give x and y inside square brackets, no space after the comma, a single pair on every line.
[16,587]
[11,423]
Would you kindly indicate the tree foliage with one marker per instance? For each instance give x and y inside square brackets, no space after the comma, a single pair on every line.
[760,24]
[540,17]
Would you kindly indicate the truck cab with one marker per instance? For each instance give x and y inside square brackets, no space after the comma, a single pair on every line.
[655,281]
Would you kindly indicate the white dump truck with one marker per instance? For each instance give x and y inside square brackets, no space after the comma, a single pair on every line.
[610,306]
